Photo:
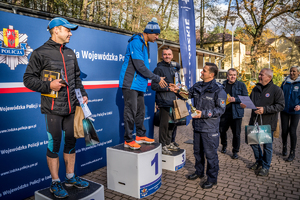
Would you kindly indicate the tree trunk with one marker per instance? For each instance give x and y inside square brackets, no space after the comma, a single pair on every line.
[83,10]
[170,15]
[160,6]
[50,6]
[225,24]
[121,14]
[202,17]
[107,12]
[127,15]
[92,8]
[164,10]
[110,13]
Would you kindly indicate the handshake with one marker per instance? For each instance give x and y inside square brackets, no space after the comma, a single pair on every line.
[184,93]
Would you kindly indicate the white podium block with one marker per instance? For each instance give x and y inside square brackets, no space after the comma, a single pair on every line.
[175,161]
[94,191]
[136,173]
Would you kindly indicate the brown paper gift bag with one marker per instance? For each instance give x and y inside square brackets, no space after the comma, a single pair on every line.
[276,133]
[180,109]
[78,126]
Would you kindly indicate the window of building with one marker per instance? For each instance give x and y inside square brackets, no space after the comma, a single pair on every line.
[220,49]
[211,48]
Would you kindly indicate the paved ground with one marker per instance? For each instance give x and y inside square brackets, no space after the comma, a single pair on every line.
[235,180]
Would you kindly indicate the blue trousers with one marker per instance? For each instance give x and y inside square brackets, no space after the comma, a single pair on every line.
[263,157]
[206,143]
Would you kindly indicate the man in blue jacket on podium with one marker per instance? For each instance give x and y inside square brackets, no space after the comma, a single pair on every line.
[134,81]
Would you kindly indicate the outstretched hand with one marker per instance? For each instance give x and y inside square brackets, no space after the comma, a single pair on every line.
[173,87]
[162,83]
[199,114]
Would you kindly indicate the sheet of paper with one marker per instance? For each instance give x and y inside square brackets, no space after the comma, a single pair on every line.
[86,111]
[247,101]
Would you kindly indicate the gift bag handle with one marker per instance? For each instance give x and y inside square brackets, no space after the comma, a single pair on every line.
[260,119]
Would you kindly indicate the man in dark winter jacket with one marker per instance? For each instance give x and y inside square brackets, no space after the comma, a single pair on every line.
[210,102]
[59,111]
[234,113]
[164,98]
[269,101]
[134,80]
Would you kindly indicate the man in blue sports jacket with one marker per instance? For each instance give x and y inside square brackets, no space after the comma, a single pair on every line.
[210,102]
[134,80]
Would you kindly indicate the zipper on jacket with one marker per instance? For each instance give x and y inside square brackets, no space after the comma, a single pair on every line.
[135,75]
[52,104]
[66,78]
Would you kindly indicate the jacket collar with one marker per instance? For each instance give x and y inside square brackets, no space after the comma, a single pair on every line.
[212,86]
[166,64]
[289,80]
[226,82]
[54,44]
[260,86]
[138,36]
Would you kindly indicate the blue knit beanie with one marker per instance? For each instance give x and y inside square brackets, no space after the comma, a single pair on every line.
[152,27]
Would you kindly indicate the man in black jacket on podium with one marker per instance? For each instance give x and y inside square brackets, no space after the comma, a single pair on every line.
[60,110]
[164,99]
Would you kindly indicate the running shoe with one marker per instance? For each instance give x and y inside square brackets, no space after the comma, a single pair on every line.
[58,190]
[165,151]
[132,145]
[145,140]
[172,147]
[77,182]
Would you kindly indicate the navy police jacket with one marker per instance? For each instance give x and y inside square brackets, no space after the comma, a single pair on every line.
[291,90]
[135,69]
[238,89]
[211,100]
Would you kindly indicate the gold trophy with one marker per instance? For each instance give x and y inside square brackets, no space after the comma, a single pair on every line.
[184,92]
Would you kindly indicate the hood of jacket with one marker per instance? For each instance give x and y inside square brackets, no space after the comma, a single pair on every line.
[289,80]
[138,36]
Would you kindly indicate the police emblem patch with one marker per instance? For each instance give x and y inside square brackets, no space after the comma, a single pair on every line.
[268,94]
[296,88]
[209,114]
[223,103]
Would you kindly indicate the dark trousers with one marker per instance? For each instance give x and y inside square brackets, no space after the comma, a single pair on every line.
[134,113]
[58,126]
[289,124]
[227,121]
[174,131]
[206,143]
[164,133]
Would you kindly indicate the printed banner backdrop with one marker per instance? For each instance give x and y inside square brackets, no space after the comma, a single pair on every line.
[187,38]
[23,138]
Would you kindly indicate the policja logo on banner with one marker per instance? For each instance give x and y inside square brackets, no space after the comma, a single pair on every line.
[14,49]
